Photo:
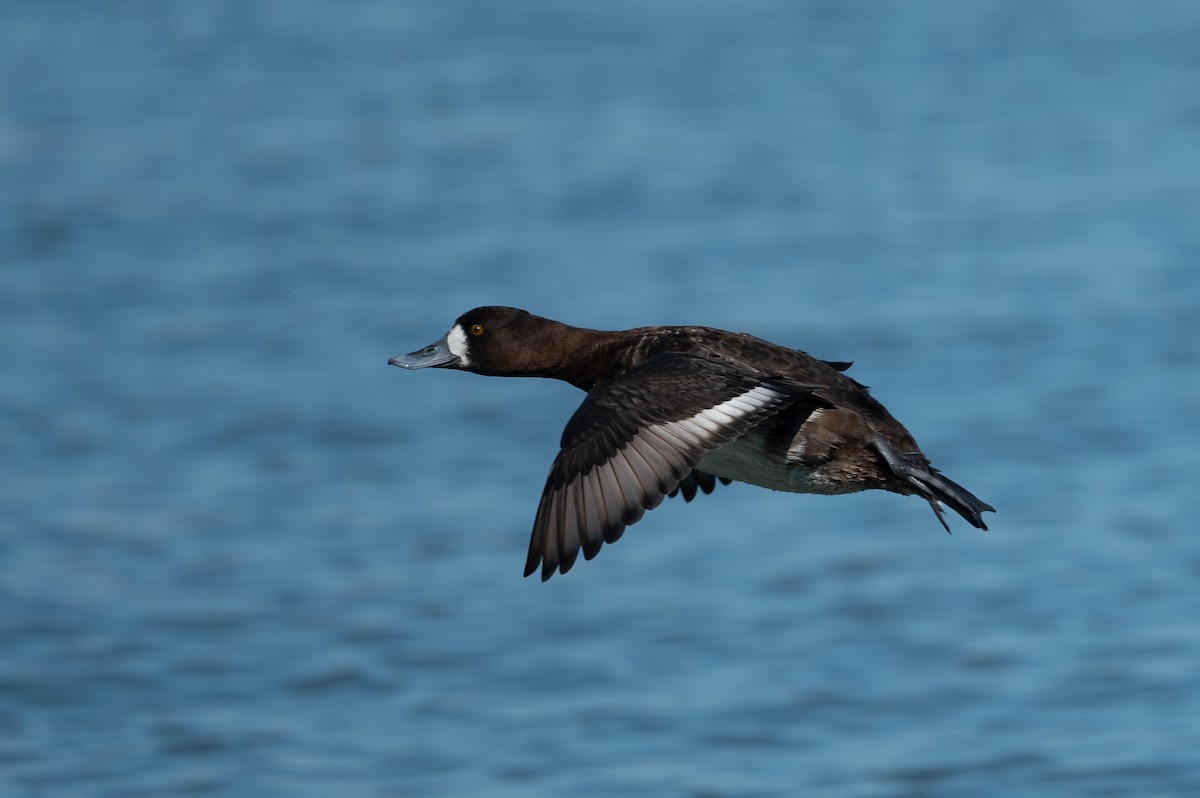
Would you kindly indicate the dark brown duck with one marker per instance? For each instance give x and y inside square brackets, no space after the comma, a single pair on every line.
[673,409]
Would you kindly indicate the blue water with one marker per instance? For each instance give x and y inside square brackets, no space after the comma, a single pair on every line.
[240,556]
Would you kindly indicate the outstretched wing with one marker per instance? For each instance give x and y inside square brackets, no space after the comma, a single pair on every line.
[634,440]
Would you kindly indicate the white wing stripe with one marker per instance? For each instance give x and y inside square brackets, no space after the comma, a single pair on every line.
[700,429]
[752,400]
[706,422]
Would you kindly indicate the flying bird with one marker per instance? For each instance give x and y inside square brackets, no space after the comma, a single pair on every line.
[673,410]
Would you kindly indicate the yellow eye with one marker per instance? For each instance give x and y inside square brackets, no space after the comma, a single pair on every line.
[476,329]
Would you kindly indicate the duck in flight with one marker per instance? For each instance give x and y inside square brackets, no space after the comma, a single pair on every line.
[672,410]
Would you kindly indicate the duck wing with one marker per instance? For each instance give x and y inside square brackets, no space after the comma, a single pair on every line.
[695,483]
[636,439]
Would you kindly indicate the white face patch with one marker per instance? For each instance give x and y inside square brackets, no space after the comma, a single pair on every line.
[456,342]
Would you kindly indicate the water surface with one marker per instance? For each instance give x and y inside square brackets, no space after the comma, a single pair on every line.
[244,557]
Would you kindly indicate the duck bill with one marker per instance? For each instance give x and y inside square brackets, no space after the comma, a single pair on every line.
[436,355]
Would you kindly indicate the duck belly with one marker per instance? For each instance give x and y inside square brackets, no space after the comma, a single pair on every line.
[749,459]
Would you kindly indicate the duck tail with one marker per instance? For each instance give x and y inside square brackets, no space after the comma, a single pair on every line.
[914,469]
[937,488]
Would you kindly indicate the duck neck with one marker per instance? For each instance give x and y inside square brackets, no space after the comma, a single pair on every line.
[588,357]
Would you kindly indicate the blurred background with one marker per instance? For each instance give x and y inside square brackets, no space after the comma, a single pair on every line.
[243,557]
